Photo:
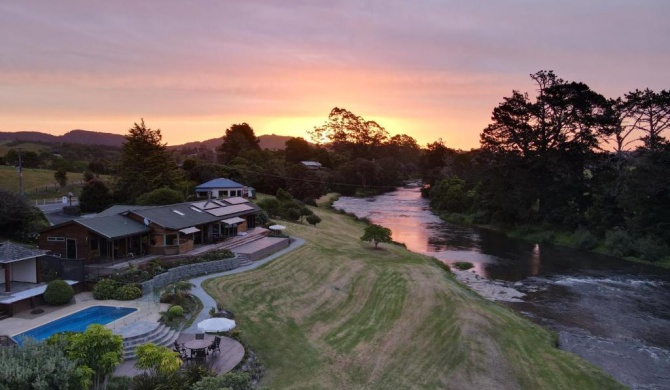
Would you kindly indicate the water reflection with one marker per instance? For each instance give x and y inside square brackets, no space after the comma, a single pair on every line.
[535,262]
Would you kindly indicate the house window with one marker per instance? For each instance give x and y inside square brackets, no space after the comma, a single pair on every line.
[171,239]
[94,243]
[55,238]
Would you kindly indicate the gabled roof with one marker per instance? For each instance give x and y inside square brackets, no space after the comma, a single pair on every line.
[113,226]
[182,215]
[11,252]
[174,217]
[120,209]
[218,183]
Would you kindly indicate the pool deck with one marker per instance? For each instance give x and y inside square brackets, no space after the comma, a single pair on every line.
[147,309]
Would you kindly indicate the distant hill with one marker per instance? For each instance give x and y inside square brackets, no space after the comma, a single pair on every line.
[84,137]
[271,141]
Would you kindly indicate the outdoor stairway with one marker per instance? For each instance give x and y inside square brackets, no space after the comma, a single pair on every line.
[244,259]
[142,332]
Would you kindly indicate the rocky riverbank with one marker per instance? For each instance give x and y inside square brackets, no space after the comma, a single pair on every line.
[490,289]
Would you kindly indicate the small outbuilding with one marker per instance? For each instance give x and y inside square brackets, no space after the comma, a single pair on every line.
[314,165]
[220,188]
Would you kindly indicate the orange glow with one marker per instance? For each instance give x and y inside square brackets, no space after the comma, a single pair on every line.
[284,100]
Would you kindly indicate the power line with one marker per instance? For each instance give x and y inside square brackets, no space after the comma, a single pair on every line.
[306,180]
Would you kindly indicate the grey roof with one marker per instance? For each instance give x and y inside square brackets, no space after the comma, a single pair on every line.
[311,164]
[11,252]
[113,226]
[187,214]
[120,209]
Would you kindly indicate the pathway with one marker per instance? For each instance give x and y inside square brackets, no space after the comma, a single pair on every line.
[209,302]
[236,351]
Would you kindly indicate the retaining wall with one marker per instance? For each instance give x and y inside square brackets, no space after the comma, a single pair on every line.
[188,271]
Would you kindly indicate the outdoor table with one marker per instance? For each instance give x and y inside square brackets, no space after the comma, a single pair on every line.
[197,344]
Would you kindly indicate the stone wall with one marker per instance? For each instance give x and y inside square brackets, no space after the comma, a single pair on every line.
[189,271]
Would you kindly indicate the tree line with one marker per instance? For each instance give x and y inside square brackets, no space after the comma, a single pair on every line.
[565,159]
[569,159]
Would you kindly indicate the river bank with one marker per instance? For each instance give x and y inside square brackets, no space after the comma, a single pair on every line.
[579,240]
[337,313]
[489,289]
[611,311]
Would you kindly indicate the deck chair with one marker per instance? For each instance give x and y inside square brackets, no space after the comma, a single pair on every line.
[199,354]
[215,345]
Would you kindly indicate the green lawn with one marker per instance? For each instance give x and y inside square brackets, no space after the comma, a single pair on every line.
[40,183]
[337,314]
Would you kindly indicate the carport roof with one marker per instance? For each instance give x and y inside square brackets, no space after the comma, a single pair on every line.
[11,252]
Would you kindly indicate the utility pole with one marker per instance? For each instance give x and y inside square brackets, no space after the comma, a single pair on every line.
[20,174]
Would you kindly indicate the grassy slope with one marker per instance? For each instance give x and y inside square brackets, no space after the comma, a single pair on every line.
[337,314]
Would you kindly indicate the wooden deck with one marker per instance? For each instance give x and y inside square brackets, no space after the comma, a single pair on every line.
[232,353]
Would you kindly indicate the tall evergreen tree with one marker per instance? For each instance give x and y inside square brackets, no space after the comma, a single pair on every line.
[239,138]
[552,138]
[144,165]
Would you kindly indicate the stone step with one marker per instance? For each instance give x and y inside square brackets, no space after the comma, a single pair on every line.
[142,332]
[164,339]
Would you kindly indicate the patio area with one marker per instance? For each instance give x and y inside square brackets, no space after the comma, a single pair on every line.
[232,353]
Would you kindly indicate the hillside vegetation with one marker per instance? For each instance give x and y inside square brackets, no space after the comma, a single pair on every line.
[337,314]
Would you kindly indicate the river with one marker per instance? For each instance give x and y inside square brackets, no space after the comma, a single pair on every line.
[613,313]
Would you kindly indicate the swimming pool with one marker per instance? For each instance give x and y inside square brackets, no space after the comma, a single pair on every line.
[76,322]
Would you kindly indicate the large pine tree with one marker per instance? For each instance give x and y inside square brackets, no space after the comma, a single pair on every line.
[145,164]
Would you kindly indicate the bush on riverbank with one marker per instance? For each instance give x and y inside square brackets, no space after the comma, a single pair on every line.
[463,265]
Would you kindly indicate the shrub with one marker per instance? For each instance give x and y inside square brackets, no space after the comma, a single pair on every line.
[292,214]
[313,219]
[618,243]
[232,380]
[104,289]
[583,239]
[128,293]
[58,292]
[651,248]
[463,265]
[175,311]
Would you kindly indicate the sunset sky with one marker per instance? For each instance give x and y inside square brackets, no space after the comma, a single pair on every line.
[430,69]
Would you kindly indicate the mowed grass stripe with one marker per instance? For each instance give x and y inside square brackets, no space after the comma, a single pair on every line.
[337,314]
[383,305]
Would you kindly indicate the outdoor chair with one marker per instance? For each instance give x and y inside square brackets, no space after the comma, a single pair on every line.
[199,336]
[215,345]
[199,354]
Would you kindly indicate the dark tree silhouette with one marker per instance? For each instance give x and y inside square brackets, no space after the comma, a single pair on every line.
[144,165]
[239,138]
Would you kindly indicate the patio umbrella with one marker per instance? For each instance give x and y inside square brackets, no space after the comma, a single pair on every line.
[216,325]
[277,227]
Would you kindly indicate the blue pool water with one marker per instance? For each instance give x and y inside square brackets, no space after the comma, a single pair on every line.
[76,322]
